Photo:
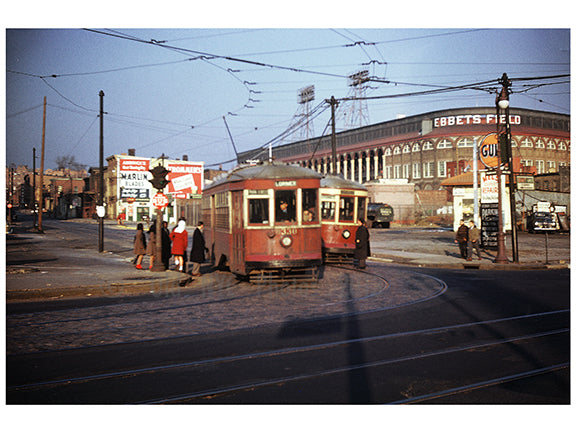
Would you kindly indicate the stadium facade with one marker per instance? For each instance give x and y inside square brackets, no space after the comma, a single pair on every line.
[428,148]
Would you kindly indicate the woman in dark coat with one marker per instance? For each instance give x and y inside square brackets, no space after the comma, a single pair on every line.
[139,245]
[151,248]
[362,250]
[198,249]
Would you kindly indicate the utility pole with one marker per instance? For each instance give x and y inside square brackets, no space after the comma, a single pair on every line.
[100,201]
[333,103]
[42,168]
[34,216]
[505,144]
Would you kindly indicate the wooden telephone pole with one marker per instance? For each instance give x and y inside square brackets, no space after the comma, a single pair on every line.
[42,169]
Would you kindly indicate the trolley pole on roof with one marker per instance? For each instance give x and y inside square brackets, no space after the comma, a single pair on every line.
[333,103]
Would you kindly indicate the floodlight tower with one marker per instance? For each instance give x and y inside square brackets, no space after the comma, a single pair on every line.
[301,121]
[356,114]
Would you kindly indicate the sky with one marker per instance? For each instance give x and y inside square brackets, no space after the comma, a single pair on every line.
[174,91]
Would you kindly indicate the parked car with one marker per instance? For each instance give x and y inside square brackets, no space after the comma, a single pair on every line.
[380,215]
[542,222]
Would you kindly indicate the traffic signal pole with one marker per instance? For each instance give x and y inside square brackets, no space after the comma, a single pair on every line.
[159,181]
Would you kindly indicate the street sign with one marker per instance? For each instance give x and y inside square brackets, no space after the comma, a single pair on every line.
[524,182]
[160,200]
[488,150]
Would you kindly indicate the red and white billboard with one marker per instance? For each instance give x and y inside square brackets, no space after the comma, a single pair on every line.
[133,164]
[186,178]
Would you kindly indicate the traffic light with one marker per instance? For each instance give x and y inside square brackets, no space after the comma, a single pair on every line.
[159,180]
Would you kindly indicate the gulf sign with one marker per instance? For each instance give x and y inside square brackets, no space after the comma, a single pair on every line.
[475,119]
[186,178]
[488,150]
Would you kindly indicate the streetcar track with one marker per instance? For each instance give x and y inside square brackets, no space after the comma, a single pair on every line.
[484,384]
[276,288]
[315,347]
[258,292]
[213,392]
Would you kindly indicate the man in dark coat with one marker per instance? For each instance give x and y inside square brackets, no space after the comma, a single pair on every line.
[198,249]
[166,245]
[362,250]
[462,239]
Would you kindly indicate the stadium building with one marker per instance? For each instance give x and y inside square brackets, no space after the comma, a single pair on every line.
[426,149]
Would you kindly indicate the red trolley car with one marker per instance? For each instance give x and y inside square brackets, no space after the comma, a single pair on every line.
[264,219]
[343,202]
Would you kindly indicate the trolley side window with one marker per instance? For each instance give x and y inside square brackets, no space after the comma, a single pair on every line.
[347,209]
[222,211]
[362,208]
[258,211]
[328,210]
[309,205]
[285,206]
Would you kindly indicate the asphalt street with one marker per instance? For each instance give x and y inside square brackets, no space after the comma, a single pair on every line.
[398,333]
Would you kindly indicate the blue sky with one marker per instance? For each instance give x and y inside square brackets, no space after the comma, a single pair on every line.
[170,96]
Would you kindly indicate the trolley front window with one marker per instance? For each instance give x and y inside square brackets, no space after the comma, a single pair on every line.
[258,211]
[309,205]
[328,210]
[285,206]
[347,209]
[362,208]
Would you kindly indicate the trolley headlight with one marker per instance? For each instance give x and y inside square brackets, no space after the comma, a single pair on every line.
[286,241]
[346,234]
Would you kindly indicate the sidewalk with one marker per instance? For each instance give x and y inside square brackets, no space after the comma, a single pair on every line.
[48,266]
[435,247]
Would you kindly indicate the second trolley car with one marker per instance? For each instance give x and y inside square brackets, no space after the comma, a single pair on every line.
[264,219]
[343,203]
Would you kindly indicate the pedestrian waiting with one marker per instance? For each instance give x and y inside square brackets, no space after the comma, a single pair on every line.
[473,241]
[198,249]
[462,239]
[362,243]
[179,238]
[139,245]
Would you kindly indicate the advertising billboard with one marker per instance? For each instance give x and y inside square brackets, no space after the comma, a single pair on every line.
[186,178]
[133,181]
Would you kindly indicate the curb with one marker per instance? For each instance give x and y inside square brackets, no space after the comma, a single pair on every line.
[151,286]
[476,265]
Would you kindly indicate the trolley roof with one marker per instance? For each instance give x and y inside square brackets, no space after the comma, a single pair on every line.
[267,170]
[332,181]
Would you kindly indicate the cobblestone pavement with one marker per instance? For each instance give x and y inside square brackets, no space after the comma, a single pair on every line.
[217,302]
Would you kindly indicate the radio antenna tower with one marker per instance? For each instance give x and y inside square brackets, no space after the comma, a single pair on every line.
[301,120]
[356,110]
